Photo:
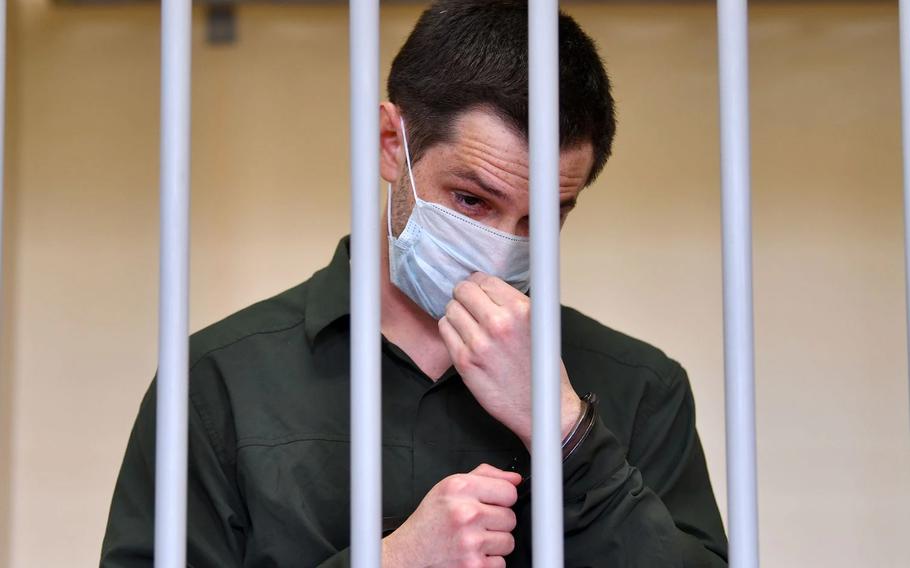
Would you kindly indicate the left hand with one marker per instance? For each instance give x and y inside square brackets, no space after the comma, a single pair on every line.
[487,330]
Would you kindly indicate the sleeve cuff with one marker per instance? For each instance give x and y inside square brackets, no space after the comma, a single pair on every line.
[597,458]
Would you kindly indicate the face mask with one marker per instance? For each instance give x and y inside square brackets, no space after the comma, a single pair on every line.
[439,248]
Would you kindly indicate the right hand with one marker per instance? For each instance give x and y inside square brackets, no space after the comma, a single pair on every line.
[465,521]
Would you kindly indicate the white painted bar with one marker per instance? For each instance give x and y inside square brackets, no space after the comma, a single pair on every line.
[366,392]
[173,331]
[546,445]
[732,20]
[905,128]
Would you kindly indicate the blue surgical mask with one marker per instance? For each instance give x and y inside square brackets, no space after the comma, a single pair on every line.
[439,248]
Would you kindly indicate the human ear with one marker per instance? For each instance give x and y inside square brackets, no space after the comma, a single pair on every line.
[391,148]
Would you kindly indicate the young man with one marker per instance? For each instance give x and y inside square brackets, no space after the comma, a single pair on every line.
[269,386]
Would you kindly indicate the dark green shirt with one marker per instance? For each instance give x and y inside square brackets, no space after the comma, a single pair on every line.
[269,445]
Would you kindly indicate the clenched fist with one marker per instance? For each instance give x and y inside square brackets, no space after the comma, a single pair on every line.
[465,521]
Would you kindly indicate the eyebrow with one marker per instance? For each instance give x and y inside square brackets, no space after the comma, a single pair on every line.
[472,177]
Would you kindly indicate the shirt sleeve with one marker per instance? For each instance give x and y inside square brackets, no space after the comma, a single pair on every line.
[215,523]
[652,506]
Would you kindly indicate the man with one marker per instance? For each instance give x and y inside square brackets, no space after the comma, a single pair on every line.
[269,386]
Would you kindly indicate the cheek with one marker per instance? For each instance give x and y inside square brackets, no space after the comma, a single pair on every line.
[402,205]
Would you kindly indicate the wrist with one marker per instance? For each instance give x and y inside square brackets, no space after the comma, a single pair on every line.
[572,410]
[392,555]
[582,427]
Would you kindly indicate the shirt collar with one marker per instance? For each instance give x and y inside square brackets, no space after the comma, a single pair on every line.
[329,296]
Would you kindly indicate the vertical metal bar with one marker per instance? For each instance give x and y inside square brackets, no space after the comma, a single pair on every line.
[546,445]
[905,128]
[173,342]
[366,392]
[732,21]
[2,127]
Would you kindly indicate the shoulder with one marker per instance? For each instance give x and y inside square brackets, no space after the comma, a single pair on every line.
[280,313]
[640,388]
[231,360]
[584,336]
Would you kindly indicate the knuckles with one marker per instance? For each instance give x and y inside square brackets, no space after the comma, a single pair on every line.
[481,347]
[453,485]
[472,562]
[463,360]
[463,515]
[468,541]
[522,308]
[485,469]
[500,325]
[513,319]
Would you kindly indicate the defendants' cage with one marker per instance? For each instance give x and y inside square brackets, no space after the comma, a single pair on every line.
[366,515]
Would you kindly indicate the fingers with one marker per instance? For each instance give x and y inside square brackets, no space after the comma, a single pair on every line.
[498,543]
[450,337]
[504,311]
[492,491]
[477,302]
[494,562]
[488,470]
[464,323]
[499,490]
[494,518]
[496,289]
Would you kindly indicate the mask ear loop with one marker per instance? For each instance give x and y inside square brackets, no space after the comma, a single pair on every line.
[388,214]
[407,155]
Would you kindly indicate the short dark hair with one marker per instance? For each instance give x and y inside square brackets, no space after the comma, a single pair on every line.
[467,54]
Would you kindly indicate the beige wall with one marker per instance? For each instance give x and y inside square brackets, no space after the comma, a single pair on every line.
[642,252]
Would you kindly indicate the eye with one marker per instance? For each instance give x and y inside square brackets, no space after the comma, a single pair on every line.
[468,200]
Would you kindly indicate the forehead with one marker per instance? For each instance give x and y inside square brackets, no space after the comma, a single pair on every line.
[482,140]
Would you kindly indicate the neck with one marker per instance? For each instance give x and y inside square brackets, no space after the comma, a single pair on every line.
[410,328]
